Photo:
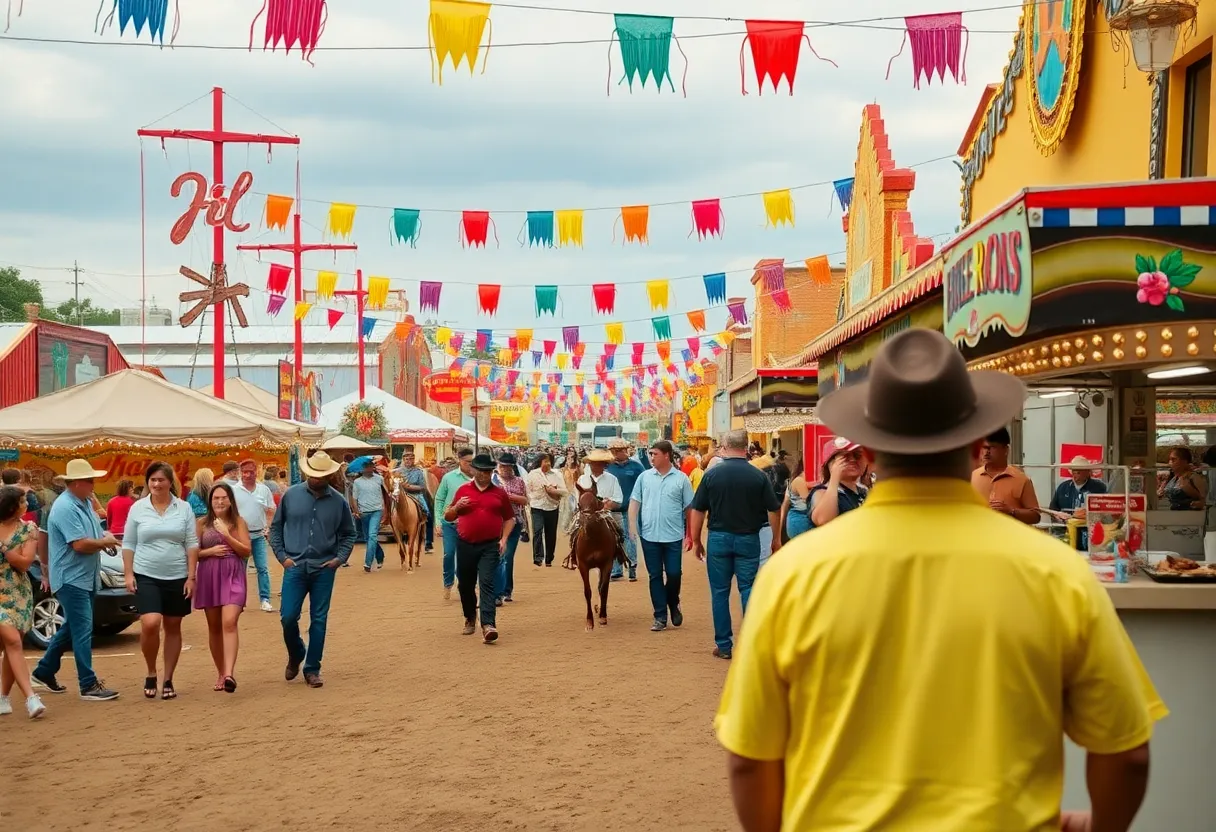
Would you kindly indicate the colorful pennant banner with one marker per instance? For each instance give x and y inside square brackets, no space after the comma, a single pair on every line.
[937,47]
[456,28]
[775,47]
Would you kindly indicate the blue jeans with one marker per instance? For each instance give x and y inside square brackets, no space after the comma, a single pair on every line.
[449,553]
[797,522]
[77,631]
[504,582]
[259,547]
[660,558]
[318,585]
[730,555]
[631,551]
[369,528]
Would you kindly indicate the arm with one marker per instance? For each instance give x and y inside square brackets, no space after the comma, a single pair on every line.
[784,513]
[44,559]
[774,523]
[130,541]
[635,505]
[276,532]
[1116,783]
[23,557]
[442,496]
[1029,512]
[1055,505]
[696,521]
[757,788]
[239,540]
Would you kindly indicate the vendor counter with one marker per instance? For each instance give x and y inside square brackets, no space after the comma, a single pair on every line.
[1174,629]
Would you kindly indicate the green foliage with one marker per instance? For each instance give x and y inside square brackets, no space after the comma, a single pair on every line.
[363,420]
[84,314]
[15,292]
[1177,271]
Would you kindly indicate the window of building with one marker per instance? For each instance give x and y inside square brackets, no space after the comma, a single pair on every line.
[1196,117]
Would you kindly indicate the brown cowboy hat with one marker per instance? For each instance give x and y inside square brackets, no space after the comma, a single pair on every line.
[919,398]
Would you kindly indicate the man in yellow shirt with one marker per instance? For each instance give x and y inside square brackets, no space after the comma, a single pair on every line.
[915,664]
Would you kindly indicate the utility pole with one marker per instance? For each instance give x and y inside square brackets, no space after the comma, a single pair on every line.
[76,283]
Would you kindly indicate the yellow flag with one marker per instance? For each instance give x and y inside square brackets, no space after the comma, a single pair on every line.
[456,28]
[578,377]
[302,310]
[504,357]
[569,227]
[326,283]
[377,292]
[779,207]
[442,336]
[341,218]
[615,333]
[657,291]
[563,359]
[523,339]
[726,336]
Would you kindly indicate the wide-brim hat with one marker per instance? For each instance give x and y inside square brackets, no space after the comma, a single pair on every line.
[1080,460]
[319,464]
[81,469]
[598,455]
[483,462]
[919,398]
[614,444]
[506,459]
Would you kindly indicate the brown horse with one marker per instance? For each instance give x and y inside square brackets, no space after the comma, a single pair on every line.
[406,520]
[594,545]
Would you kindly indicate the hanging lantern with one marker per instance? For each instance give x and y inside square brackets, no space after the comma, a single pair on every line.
[1153,29]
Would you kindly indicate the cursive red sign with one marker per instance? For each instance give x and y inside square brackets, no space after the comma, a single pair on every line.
[219,209]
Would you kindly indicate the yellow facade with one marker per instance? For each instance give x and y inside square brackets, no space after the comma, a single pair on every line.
[1109,119]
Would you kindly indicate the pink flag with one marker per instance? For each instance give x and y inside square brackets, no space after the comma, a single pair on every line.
[937,46]
[707,218]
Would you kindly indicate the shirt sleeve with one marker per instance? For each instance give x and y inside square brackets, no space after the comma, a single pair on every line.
[639,490]
[1110,703]
[130,532]
[700,500]
[191,536]
[507,511]
[1055,503]
[686,495]
[753,714]
[1029,498]
[770,497]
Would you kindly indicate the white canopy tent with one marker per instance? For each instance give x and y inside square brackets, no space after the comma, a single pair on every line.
[405,422]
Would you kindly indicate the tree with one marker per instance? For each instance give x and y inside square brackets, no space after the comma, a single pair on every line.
[84,313]
[15,292]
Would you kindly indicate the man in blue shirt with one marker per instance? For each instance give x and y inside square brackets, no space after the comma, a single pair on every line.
[658,516]
[74,539]
[1070,494]
[626,469]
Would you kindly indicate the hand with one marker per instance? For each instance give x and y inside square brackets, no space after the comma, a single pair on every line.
[836,468]
[689,544]
[46,583]
[288,563]
[1076,821]
[356,515]
[1161,491]
[463,503]
[221,525]
[333,563]
[700,548]
[189,590]
[776,544]
[111,542]
[1001,506]
[129,580]
[502,546]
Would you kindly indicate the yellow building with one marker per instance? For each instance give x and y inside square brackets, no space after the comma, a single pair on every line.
[1073,108]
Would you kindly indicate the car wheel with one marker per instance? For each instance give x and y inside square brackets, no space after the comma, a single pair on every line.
[48,618]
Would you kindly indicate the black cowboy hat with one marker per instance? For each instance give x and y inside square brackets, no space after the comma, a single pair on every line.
[506,459]
[919,398]
[483,462]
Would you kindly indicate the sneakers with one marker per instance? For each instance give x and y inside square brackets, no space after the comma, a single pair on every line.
[266,607]
[677,617]
[33,706]
[658,626]
[468,627]
[447,593]
[6,706]
[48,682]
[98,693]
[498,601]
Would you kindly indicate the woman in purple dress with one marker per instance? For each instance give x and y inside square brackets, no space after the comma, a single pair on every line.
[219,590]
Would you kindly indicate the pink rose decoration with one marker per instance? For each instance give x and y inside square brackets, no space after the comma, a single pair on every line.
[1153,287]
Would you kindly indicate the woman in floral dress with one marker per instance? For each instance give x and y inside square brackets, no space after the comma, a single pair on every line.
[18,549]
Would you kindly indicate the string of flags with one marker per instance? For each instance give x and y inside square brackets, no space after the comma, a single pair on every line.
[461,32]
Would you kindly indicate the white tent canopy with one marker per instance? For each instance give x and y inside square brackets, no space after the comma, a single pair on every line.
[144,409]
[239,391]
[343,442]
[405,422]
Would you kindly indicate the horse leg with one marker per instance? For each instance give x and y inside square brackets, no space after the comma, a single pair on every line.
[605,579]
[416,533]
[586,575]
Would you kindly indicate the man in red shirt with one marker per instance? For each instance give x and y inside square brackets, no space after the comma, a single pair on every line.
[484,519]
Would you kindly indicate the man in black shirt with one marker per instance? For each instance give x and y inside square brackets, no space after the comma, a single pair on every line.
[739,499]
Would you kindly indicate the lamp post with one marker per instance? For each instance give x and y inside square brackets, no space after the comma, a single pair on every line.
[1152,28]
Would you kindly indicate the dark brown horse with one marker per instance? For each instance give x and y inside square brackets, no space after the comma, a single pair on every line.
[595,545]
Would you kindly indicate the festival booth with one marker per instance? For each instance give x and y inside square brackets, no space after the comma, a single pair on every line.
[386,421]
[124,421]
[777,405]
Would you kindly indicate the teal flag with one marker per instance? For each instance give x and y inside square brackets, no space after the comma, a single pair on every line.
[662,328]
[645,47]
[540,229]
[407,225]
[546,297]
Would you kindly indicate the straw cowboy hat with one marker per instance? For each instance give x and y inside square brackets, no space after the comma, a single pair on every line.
[598,455]
[319,464]
[616,443]
[1080,460]
[81,469]
[919,398]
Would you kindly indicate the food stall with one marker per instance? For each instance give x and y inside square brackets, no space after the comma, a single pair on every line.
[124,421]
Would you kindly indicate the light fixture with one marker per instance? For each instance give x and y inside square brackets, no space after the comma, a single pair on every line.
[1054,394]
[1178,372]
[1098,398]
[1152,27]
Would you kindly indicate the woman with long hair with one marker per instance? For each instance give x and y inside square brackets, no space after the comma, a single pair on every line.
[160,555]
[795,512]
[840,479]
[204,478]
[220,591]
[570,475]
[18,549]
[118,507]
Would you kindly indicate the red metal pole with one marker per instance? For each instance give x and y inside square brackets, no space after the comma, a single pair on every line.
[298,259]
[359,329]
[217,162]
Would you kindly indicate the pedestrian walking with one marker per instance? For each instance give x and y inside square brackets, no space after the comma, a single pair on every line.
[74,541]
[367,506]
[658,516]
[312,536]
[256,506]
[916,663]
[484,518]
[18,551]
[220,589]
[448,486]
[740,502]
[626,470]
[546,490]
[508,479]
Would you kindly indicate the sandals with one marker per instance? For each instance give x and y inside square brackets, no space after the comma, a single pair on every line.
[229,684]
[167,691]
[219,685]
[149,687]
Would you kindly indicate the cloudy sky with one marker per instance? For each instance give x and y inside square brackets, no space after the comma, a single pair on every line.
[536,131]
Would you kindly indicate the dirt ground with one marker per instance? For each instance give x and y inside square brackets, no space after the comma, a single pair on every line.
[417,727]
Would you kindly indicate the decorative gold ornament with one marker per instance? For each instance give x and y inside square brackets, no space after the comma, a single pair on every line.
[1116,338]
[1166,333]
[1117,354]
[1192,348]
[1079,343]
[1097,356]
[1096,340]
[1141,352]
[1167,350]
[1192,332]
[1141,335]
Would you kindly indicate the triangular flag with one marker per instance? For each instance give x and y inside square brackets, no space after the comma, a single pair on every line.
[657,291]
[487,297]
[335,315]
[604,295]
[715,288]
[302,310]
[341,219]
[274,303]
[707,218]
[779,208]
[377,292]
[697,319]
[662,327]
[456,27]
[524,337]
[615,333]
[819,269]
[570,227]
[407,226]
[635,221]
[327,282]
[428,296]
[278,211]
[277,280]
[546,300]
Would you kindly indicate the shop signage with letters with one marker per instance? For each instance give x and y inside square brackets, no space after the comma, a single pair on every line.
[988,279]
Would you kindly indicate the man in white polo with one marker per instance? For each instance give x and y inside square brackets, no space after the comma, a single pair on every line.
[255,504]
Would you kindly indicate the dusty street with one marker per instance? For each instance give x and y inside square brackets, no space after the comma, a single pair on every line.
[417,727]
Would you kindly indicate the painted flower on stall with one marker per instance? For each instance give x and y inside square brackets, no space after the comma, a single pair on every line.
[1161,283]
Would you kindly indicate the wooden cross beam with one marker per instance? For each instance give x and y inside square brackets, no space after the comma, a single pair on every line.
[217,292]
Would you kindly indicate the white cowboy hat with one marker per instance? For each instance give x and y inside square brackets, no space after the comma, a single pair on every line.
[319,465]
[598,455]
[81,469]
[1080,460]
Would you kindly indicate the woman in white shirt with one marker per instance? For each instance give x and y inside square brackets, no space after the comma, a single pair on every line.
[160,555]
[546,488]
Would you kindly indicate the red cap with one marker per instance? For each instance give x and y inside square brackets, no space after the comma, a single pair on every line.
[839,445]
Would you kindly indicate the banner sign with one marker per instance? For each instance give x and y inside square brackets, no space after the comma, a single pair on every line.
[287,397]
[448,388]
[988,279]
